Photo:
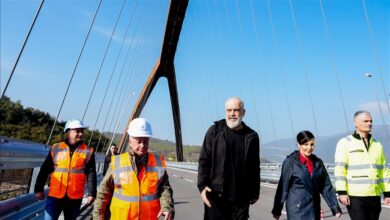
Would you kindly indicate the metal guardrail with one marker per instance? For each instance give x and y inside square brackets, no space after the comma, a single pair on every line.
[270,172]
[17,156]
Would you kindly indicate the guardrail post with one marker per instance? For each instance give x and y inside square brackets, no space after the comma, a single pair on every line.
[34,176]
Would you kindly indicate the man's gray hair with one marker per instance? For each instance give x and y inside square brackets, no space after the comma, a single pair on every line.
[359,113]
[236,98]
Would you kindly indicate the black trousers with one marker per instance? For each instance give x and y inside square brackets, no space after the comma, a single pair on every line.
[364,208]
[221,209]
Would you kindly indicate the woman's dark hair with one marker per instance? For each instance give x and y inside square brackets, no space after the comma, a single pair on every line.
[304,136]
[109,150]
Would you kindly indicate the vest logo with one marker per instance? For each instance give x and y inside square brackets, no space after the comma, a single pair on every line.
[61,155]
[125,178]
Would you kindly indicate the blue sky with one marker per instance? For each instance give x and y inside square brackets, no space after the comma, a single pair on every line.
[252,49]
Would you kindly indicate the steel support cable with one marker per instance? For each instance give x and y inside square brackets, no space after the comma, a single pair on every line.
[205,85]
[250,70]
[380,109]
[22,49]
[195,98]
[222,43]
[104,59]
[100,68]
[130,82]
[112,73]
[185,94]
[302,57]
[119,80]
[258,45]
[332,56]
[375,52]
[234,48]
[131,93]
[74,71]
[203,99]
[213,37]
[276,44]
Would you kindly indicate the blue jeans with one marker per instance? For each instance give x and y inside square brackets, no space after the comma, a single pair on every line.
[54,207]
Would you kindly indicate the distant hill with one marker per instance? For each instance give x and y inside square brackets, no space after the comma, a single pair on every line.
[276,151]
[25,123]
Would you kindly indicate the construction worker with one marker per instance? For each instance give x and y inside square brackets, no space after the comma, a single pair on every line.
[136,182]
[71,164]
[361,172]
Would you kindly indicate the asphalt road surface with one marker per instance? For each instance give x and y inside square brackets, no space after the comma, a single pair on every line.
[189,206]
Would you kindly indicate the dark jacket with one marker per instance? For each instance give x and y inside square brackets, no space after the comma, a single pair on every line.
[212,159]
[301,191]
[107,161]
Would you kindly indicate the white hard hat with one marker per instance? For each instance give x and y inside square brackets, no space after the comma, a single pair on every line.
[140,127]
[73,124]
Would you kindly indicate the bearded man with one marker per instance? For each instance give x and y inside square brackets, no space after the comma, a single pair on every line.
[229,166]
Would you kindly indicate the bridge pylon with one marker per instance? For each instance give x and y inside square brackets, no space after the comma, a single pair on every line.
[164,68]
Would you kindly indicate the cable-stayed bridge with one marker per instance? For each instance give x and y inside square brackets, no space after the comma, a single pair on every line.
[298,65]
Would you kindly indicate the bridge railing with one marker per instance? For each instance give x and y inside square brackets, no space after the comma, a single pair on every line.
[270,172]
[20,162]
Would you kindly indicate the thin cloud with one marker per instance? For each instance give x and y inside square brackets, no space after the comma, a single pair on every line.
[23,72]
[116,38]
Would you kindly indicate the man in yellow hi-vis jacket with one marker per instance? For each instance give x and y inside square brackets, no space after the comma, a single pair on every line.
[136,182]
[361,172]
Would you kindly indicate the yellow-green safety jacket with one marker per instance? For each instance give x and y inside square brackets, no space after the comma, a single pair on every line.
[358,171]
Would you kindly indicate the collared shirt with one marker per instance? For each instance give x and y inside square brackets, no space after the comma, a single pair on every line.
[307,162]
[357,136]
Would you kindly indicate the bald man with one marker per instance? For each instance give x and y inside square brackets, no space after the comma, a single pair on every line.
[229,166]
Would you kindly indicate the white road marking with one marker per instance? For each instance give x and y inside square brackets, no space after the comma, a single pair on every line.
[270,185]
[184,170]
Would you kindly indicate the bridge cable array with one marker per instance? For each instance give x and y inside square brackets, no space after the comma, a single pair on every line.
[111,75]
[73,73]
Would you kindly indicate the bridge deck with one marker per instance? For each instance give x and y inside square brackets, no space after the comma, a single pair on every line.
[189,206]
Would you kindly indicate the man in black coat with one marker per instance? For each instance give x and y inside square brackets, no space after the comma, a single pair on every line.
[229,166]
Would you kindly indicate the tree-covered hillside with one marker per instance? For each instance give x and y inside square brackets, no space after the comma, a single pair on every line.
[34,125]
[31,124]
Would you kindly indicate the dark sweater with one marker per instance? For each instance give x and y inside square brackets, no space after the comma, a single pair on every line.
[234,164]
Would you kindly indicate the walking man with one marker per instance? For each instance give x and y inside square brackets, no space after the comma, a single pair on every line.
[71,164]
[361,172]
[136,182]
[229,166]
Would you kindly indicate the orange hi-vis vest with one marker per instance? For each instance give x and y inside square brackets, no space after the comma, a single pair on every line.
[68,176]
[133,199]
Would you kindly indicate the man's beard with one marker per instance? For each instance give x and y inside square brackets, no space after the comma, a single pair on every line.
[234,124]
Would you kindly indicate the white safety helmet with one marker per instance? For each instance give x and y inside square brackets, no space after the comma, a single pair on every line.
[73,124]
[140,127]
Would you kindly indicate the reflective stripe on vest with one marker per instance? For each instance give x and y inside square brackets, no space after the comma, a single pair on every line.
[133,199]
[68,177]
[358,171]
